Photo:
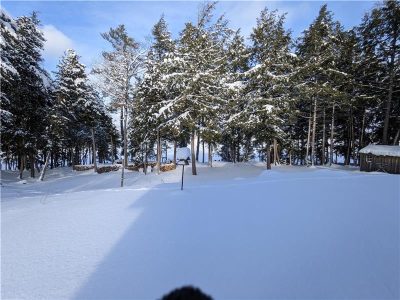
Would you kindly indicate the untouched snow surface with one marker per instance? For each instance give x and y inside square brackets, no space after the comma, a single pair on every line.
[235,231]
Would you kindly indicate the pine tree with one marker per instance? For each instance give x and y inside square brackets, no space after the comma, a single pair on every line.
[152,94]
[118,73]
[380,32]
[318,49]
[29,95]
[195,73]
[269,86]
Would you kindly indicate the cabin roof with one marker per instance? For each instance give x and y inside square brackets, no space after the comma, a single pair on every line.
[382,150]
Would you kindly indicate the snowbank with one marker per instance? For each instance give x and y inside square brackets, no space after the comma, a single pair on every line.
[383,150]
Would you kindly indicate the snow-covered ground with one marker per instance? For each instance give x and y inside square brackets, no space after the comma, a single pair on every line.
[235,231]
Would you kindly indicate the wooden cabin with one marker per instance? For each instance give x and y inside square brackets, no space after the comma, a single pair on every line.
[380,158]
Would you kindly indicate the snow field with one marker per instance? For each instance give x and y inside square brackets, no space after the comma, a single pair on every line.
[236,231]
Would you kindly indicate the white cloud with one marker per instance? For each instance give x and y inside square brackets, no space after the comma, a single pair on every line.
[56,42]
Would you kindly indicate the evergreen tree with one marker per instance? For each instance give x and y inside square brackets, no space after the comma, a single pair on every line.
[269,81]
[320,76]
[29,95]
[380,34]
[119,72]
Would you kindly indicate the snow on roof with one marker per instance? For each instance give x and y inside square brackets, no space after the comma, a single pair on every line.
[383,150]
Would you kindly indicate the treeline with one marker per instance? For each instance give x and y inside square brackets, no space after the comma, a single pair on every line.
[61,121]
[306,101]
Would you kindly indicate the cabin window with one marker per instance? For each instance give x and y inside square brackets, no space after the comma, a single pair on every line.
[368,158]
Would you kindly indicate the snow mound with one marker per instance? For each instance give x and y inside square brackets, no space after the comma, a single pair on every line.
[383,150]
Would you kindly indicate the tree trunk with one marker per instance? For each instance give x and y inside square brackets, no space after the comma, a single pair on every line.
[276,162]
[158,164]
[314,133]
[32,163]
[94,151]
[112,150]
[198,146]
[332,136]
[123,172]
[390,92]
[125,138]
[145,159]
[175,153]
[308,139]
[21,166]
[210,159]
[203,150]
[194,171]
[396,138]
[43,172]
[323,138]
[349,138]
[122,124]
[362,131]
[268,156]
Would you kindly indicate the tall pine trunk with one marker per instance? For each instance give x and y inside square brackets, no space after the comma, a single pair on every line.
[145,159]
[203,151]
[268,156]
[112,150]
[198,146]
[210,160]
[125,137]
[396,138]
[32,164]
[194,171]
[276,162]
[21,166]
[323,137]
[158,164]
[94,151]
[308,139]
[314,133]
[390,92]
[362,131]
[332,136]
[43,172]
[175,153]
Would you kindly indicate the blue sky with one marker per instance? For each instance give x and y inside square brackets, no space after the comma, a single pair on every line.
[78,24]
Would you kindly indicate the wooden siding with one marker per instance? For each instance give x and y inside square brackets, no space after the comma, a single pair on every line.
[388,164]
